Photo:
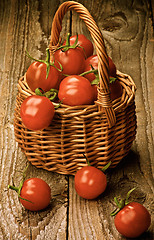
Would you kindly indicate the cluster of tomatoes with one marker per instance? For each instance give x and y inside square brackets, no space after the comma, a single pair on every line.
[72,79]
[131,220]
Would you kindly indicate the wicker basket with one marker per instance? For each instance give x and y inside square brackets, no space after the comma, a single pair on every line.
[103,131]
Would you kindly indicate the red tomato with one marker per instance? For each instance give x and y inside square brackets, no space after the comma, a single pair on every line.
[75,90]
[36,77]
[72,61]
[37,112]
[115,89]
[93,60]
[90,182]
[38,192]
[132,220]
[83,42]
[95,92]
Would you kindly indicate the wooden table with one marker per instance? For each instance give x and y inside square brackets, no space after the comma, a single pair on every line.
[127,28]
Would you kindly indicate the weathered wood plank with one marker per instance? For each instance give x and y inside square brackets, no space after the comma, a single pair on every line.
[127,31]
[24,24]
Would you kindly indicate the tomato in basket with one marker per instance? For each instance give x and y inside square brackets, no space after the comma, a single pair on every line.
[70,57]
[43,74]
[75,90]
[37,112]
[132,218]
[90,182]
[92,63]
[91,67]
[85,45]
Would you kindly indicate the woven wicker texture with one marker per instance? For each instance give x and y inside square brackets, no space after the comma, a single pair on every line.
[103,131]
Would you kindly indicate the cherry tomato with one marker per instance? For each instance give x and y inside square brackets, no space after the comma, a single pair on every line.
[132,220]
[115,89]
[115,86]
[37,112]
[72,61]
[90,182]
[84,42]
[38,192]
[36,77]
[93,61]
[75,90]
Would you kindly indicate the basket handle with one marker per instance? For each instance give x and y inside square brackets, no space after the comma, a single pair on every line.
[104,101]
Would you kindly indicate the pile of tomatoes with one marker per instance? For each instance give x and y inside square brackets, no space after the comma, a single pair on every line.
[73,76]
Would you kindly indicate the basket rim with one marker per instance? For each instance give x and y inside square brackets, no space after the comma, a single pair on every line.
[125,80]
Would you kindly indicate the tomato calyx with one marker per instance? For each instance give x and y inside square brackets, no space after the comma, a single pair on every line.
[18,189]
[96,80]
[67,46]
[51,94]
[121,203]
[46,61]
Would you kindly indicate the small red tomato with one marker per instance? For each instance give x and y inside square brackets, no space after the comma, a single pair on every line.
[37,112]
[36,77]
[132,220]
[72,61]
[75,90]
[84,42]
[90,182]
[38,192]
[92,61]
[115,89]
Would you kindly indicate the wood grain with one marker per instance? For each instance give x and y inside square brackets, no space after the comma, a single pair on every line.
[127,30]
[24,25]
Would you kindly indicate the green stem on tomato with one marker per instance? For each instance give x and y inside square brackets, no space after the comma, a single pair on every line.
[47,62]
[88,163]
[67,46]
[18,189]
[51,94]
[90,71]
[122,203]
[106,166]
[13,188]
[128,195]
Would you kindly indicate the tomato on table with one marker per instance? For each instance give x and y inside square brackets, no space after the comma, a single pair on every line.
[37,191]
[37,112]
[34,193]
[75,90]
[132,220]
[90,182]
